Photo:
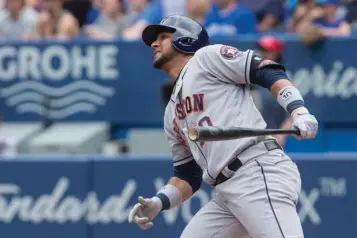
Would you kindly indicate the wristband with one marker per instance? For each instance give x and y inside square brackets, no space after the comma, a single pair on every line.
[290,98]
[170,197]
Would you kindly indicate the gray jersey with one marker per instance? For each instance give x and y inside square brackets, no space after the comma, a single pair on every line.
[212,89]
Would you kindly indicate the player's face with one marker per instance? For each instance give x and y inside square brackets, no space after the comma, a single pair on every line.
[163,50]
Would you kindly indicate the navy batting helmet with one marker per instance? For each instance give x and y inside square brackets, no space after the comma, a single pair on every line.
[188,35]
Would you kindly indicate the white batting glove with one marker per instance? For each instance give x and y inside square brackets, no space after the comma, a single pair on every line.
[145,211]
[305,122]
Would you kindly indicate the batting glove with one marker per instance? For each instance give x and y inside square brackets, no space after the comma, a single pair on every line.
[305,122]
[145,211]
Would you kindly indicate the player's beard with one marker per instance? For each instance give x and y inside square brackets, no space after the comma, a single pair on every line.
[163,59]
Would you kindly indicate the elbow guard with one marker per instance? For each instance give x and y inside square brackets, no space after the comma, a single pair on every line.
[266,72]
[191,173]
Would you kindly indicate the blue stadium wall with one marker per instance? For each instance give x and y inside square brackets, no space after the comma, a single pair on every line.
[90,197]
[84,80]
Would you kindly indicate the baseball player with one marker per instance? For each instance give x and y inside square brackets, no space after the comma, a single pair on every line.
[256,184]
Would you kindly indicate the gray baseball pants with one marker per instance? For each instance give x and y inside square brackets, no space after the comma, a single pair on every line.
[259,201]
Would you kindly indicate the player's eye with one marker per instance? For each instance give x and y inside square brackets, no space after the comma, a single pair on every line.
[164,36]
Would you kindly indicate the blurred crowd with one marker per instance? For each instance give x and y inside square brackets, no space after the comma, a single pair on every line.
[125,19]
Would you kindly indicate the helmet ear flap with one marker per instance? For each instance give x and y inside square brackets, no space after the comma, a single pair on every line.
[186,41]
[185,45]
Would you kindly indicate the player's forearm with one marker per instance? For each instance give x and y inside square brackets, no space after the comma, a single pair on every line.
[271,75]
[287,95]
[174,193]
[183,186]
[278,85]
[186,181]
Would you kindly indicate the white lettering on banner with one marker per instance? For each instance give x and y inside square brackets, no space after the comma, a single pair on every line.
[332,187]
[60,207]
[84,61]
[308,206]
[48,56]
[29,62]
[29,69]
[107,64]
[10,72]
[329,187]
[56,208]
[339,82]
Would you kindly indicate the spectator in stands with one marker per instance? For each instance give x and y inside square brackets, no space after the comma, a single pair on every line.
[136,8]
[329,23]
[17,21]
[55,22]
[93,12]
[228,18]
[197,9]
[270,47]
[269,13]
[119,140]
[2,4]
[78,8]
[110,22]
[303,12]
[351,9]
[35,4]
[152,14]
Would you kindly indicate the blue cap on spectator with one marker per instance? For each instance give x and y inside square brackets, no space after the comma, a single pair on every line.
[326,2]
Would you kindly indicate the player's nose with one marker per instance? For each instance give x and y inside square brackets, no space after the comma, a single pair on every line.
[155,44]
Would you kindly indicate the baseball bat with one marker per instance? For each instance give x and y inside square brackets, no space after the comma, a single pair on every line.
[214,133]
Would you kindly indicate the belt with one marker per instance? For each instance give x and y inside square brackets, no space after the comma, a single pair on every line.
[236,163]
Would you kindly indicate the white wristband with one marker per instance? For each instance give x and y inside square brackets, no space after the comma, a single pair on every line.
[173,196]
[290,98]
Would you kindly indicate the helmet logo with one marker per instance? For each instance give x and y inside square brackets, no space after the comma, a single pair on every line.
[187,41]
[230,53]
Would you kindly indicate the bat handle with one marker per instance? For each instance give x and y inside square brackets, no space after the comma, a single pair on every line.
[296,132]
[288,131]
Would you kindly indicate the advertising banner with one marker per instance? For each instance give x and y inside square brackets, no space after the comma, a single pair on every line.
[91,197]
[115,81]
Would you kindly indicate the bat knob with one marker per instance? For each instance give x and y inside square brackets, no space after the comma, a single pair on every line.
[193,134]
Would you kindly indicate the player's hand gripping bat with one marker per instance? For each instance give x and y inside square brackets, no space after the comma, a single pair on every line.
[214,133]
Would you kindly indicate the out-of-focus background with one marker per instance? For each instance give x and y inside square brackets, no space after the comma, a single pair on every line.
[81,110]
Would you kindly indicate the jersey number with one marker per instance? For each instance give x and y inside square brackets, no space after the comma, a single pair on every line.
[205,121]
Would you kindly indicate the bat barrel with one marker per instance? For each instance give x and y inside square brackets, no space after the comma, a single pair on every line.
[193,134]
[230,133]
